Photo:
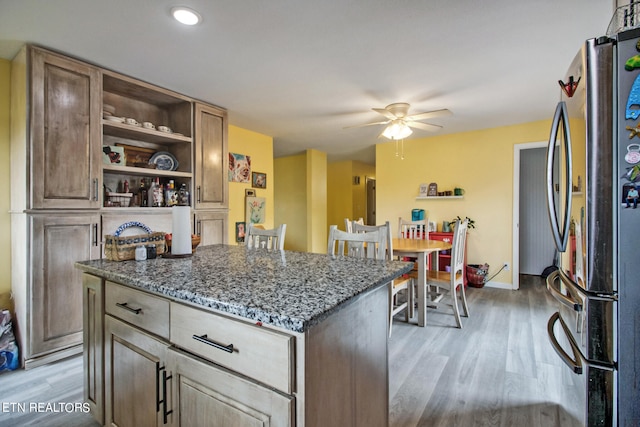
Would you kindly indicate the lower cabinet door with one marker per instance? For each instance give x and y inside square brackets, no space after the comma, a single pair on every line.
[137,383]
[212,227]
[207,394]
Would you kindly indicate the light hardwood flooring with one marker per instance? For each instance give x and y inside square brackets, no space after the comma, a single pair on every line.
[499,370]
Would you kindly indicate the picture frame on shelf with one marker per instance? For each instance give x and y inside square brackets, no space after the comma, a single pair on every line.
[258,180]
[240,231]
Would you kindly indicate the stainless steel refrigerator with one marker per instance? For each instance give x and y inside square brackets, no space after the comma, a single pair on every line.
[593,167]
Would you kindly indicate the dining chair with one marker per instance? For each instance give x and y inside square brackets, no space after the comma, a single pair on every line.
[451,282]
[413,229]
[348,224]
[363,245]
[258,237]
[396,285]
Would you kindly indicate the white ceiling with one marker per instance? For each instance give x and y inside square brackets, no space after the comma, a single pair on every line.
[302,70]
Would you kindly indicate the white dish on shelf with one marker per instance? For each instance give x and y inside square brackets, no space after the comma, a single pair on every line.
[165,129]
[114,119]
[164,161]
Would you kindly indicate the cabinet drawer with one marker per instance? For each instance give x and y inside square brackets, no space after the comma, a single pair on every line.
[259,353]
[141,309]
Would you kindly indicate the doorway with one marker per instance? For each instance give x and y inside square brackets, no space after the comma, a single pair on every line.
[371,202]
[533,247]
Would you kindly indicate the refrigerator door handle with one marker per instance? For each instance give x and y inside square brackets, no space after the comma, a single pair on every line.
[574,363]
[554,278]
[560,236]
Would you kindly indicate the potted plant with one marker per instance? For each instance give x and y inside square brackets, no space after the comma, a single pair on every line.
[446,225]
[471,224]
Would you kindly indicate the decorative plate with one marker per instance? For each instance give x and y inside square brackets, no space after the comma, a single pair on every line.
[164,161]
[129,224]
[114,119]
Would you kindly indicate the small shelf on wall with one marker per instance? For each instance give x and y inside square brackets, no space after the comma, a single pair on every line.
[438,197]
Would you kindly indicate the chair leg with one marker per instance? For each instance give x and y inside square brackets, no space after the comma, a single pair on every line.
[463,294]
[454,303]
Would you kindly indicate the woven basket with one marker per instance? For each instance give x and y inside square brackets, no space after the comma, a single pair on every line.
[122,248]
[477,274]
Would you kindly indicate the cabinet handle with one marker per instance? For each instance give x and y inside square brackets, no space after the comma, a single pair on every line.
[204,339]
[158,400]
[199,228]
[95,189]
[198,198]
[125,305]
[95,234]
[165,413]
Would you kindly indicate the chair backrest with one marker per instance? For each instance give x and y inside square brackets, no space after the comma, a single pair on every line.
[363,245]
[348,224]
[413,229]
[359,228]
[270,239]
[457,248]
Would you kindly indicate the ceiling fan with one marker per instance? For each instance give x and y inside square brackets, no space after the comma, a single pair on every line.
[399,123]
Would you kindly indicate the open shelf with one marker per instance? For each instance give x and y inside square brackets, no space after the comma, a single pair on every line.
[438,197]
[139,133]
[132,170]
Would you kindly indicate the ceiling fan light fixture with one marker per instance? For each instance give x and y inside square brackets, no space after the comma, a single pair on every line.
[397,129]
[186,16]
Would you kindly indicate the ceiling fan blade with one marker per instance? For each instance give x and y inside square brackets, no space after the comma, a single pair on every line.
[424,126]
[388,114]
[429,115]
[367,124]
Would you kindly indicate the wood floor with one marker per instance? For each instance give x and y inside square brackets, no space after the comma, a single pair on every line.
[499,370]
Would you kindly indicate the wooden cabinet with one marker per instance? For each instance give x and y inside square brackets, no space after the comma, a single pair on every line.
[211,226]
[444,257]
[55,196]
[169,362]
[58,134]
[93,338]
[212,160]
[137,385]
[65,133]
[206,394]
[55,303]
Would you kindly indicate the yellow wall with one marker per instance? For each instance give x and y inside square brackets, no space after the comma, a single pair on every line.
[346,199]
[260,148]
[340,199]
[317,232]
[301,200]
[5,228]
[481,162]
[291,199]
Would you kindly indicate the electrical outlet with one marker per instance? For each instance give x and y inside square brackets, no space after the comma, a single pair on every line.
[507,267]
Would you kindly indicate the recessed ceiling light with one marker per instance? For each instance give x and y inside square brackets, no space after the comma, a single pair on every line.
[185,15]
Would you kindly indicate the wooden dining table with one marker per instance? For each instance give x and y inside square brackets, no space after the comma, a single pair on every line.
[420,249]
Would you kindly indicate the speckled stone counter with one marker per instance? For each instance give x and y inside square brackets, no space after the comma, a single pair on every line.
[290,290]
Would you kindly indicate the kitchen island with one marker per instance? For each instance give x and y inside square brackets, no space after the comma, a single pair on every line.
[237,335]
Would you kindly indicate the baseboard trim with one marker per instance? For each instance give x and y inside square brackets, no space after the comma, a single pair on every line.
[52,357]
[499,285]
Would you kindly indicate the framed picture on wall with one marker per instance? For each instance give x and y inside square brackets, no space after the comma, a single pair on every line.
[258,180]
[255,210]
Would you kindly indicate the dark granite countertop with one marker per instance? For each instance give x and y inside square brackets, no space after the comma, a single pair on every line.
[290,290]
